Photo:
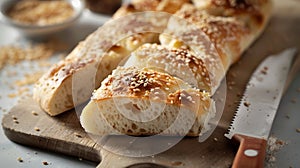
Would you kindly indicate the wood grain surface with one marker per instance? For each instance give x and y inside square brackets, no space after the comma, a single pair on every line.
[64,134]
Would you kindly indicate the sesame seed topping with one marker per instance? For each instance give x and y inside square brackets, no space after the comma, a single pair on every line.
[34,113]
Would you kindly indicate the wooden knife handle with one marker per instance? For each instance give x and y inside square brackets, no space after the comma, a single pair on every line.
[251,152]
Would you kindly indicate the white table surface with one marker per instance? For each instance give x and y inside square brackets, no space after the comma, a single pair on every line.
[284,128]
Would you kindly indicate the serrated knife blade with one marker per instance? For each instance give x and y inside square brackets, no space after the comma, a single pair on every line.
[253,120]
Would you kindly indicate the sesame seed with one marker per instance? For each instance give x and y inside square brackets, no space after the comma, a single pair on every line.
[20,159]
[156,98]
[247,104]
[136,90]
[34,113]
[77,135]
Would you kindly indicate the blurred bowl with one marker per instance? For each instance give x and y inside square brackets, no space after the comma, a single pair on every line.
[36,31]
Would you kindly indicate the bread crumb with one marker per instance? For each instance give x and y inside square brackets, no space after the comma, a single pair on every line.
[216,139]
[37,129]
[247,104]
[273,146]
[45,163]
[264,71]
[15,119]
[298,130]
[78,135]
[20,159]
[34,113]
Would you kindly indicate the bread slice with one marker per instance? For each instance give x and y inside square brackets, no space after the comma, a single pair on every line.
[94,58]
[137,102]
[180,63]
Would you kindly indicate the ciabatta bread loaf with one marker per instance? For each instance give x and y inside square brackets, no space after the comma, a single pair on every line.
[94,58]
[145,102]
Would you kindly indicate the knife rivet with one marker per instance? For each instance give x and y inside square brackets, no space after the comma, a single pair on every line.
[251,152]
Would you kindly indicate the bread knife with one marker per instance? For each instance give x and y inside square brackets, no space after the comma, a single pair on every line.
[253,119]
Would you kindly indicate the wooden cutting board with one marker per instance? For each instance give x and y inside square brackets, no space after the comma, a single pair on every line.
[27,124]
